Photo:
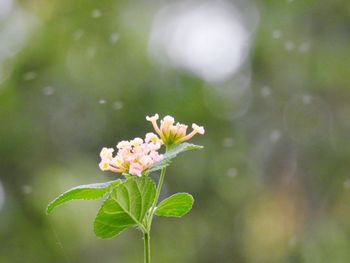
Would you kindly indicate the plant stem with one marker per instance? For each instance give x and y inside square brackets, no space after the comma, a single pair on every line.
[159,188]
[148,222]
[146,234]
[147,247]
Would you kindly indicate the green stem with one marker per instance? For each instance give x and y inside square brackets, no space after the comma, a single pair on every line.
[159,188]
[147,247]
[148,221]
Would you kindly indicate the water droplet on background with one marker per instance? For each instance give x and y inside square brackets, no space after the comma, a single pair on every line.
[232,172]
[228,142]
[304,47]
[96,13]
[265,91]
[26,189]
[117,105]
[276,34]
[275,135]
[30,75]
[114,38]
[78,34]
[289,45]
[91,52]
[307,99]
[48,90]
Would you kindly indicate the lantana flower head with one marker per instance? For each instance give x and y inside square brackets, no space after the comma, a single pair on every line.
[133,157]
[171,133]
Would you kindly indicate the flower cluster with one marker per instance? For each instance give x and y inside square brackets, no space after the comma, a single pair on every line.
[173,134]
[133,157]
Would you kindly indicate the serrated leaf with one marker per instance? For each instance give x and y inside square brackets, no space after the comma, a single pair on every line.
[183,147]
[125,207]
[176,205]
[83,192]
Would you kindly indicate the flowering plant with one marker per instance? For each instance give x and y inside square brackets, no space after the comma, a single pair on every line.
[134,201]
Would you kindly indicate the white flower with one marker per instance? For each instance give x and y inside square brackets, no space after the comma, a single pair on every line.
[198,129]
[153,118]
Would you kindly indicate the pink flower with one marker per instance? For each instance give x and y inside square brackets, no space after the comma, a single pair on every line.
[133,157]
[136,169]
[156,157]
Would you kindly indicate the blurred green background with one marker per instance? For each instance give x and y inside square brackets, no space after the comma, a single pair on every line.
[269,80]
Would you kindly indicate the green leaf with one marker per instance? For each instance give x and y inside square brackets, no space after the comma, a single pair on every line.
[83,192]
[125,207]
[176,205]
[168,156]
